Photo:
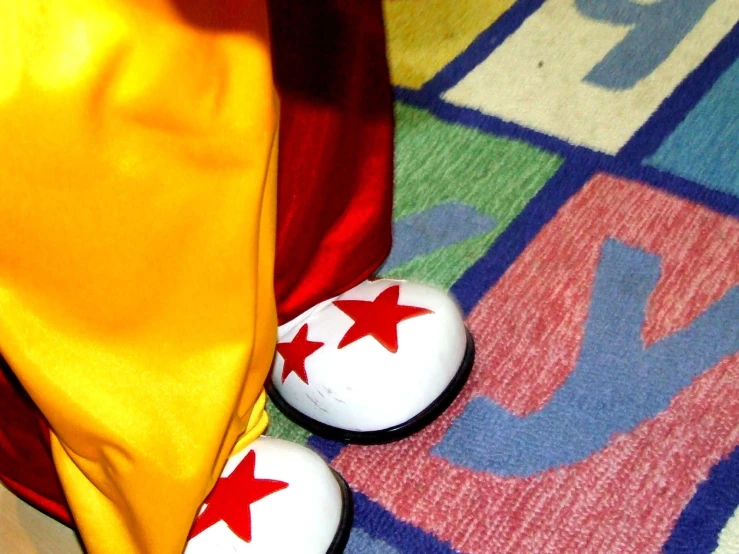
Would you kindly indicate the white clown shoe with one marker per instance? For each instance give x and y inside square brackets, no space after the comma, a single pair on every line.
[275,497]
[374,364]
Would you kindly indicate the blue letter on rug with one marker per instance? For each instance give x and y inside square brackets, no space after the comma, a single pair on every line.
[616,384]
[432,229]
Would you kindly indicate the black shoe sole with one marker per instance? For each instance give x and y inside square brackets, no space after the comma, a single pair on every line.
[383,436]
[347,517]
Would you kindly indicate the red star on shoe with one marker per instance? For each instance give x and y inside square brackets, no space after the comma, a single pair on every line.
[232,497]
[295,352]
[378,318]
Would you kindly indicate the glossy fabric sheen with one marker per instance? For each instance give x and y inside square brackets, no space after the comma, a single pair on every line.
[138,184]
[336,148]
[334,182]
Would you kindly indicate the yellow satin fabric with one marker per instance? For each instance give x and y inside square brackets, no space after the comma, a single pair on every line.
[137,226]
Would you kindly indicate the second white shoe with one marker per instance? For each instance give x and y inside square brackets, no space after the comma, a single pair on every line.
[275,497]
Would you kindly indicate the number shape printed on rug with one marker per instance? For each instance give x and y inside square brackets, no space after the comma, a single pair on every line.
[656,29]
[592,72]
[616,385]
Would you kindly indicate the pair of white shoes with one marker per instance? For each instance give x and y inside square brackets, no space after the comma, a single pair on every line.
[372,365]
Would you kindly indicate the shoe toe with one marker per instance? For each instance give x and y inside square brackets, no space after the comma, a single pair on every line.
[389,350]
[287,500]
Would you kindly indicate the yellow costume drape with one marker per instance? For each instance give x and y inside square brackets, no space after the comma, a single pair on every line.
[137,191]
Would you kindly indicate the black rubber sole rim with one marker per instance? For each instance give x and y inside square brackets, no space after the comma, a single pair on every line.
[391,434]
[347,518]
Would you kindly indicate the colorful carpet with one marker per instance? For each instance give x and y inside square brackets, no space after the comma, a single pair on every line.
[569,170]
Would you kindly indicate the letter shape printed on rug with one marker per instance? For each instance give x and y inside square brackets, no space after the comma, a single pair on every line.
[606,386]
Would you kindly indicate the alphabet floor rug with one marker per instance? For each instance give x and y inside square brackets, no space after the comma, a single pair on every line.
[569,169]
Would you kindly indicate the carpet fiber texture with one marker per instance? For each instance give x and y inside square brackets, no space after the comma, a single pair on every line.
[569,170]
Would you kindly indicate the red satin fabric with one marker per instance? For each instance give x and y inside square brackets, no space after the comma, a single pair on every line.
[26,467]
[335,189]
[335,183]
